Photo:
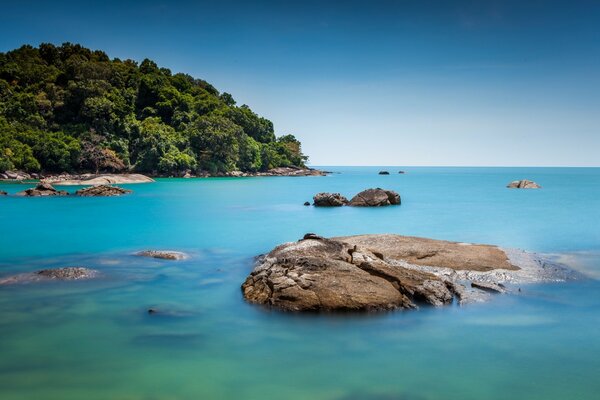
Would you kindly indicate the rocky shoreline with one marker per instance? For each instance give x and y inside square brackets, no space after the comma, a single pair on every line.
[385,272]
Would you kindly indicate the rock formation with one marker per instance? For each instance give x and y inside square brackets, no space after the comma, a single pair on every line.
[523,184]
[42,189]
[102,190]
[329,200]
[375,198]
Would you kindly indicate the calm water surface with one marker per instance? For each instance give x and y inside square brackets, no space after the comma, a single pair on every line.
[95,340]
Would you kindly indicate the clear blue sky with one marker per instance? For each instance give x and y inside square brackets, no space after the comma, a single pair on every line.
[372,82]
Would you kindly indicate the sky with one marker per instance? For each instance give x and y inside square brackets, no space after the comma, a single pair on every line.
[465,83]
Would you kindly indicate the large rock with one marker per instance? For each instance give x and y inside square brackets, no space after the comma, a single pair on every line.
[42,189]
[382,272]
[93,180]
[329,200]
[102,190]
[59,274]
[375,198]
[523,184]
[16,175]
[362,272]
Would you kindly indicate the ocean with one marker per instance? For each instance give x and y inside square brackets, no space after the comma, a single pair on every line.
[95,339]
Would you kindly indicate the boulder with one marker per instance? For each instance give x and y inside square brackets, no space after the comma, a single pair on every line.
[17,175]
[320,274]
[401,172]
[163,254]
[523,184]
[102,190]
[384,173]
[329,200]
[375,198]
[42,189]
[306,203]
[59,274]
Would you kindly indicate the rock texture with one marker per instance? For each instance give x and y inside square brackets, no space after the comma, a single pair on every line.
[383,272]
[375,198]
[60,274]
[163,254]
[523,184]
[93,180]
[42,189]
[329,200]
[102,190]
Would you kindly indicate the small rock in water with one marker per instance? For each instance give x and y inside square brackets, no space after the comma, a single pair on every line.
[3,193]
[164,255]
[102,190]
[306,203]
[523,184]
[401,172]
[384,173]
[375,198]
[42,189]
[61,274]
[489,287]
[329,200]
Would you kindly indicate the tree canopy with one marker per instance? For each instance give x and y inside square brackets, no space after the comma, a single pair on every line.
[69,108]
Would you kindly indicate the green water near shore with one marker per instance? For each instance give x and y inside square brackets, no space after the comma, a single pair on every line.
[95,339]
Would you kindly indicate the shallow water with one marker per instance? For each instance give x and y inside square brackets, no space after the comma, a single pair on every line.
[95,339]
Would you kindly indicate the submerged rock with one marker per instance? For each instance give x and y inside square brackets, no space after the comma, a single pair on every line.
[329,200]
[383,272]
[102,190]
[523,184]
[60,274]
[3,193]
[42,189]
[375,198]
[163,254]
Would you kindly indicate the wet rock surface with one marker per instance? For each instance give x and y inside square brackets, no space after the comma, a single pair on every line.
[523,184]
[163,254]
[59,274]
[102,191]
[384,272]
[42,189]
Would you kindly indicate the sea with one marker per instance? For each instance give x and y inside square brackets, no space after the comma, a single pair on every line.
[95,339]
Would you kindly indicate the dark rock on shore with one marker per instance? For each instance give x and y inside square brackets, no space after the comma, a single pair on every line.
[60,274]
[523,184]
[163,254]
[375,198]
[102,190]
[384,173]
[42,189]
[329,200]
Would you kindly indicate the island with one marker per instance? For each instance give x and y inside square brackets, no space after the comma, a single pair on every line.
[70,109]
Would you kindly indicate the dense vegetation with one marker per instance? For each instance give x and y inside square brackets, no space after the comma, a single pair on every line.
[69,108]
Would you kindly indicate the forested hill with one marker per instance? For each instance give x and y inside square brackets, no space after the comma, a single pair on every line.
[69,108]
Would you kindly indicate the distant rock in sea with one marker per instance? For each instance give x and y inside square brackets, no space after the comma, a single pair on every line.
[102,190]
[329,200]
[59,274]
[42,189]
[401,172]
[375,198]
[3,193]
[384,173]
[163,254]
[383,272]
[523,184]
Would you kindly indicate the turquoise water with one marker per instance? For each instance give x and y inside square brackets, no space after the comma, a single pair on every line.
[95,340]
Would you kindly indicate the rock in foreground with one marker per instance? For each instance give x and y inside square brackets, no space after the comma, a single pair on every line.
[102,190]
[329,200]
[523,184]
[375,198]
[163,254]
[60,274]
[42,189]
[383,272]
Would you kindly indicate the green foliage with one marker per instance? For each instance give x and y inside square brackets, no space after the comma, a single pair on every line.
[68,108]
